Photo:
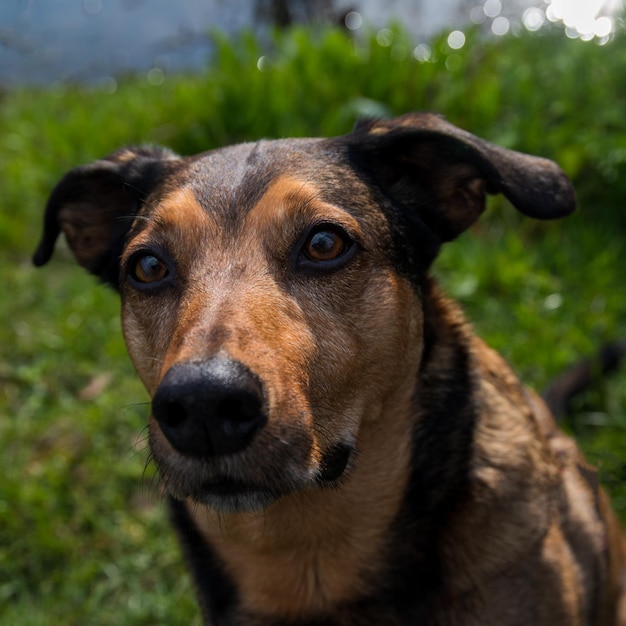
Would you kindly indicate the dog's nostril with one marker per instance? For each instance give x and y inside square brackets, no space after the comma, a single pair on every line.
[173,413]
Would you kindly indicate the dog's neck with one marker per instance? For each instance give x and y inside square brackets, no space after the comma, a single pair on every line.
[510,473]
[315,549]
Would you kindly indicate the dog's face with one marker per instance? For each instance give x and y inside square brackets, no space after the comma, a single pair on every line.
[264,319]
[271,291]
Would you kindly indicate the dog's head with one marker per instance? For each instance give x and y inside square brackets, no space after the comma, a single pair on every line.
[271,291]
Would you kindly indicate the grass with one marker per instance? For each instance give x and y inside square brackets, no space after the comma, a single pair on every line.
[83,534]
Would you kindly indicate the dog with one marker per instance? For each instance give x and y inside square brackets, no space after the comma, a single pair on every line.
[337,445]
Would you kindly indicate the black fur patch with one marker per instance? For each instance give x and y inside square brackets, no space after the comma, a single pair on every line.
[217,594]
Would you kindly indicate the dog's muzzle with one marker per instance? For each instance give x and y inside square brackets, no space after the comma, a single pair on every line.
[209,408]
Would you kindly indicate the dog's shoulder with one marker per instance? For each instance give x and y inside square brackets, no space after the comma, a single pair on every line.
[531,501]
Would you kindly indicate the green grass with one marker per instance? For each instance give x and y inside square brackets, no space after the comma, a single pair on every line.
[83,533]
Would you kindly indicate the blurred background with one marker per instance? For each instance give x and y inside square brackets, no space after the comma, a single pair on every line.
[83,532]
[44,42]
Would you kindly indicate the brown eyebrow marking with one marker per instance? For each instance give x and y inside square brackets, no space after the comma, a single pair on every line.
[175,219]
[304,203]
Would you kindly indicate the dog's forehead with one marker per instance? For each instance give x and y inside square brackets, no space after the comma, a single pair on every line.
[228,183]
[239,175]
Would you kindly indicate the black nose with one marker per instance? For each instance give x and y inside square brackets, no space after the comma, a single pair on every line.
[209,408]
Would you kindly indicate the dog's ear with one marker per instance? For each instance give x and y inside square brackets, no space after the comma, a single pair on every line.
[95,205]
[442,173]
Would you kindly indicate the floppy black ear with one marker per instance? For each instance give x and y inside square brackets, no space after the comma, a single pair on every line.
[95,205]
[442,174]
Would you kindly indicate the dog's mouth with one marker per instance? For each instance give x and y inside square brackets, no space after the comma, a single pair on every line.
[227,495]
[235,484]
[228,489]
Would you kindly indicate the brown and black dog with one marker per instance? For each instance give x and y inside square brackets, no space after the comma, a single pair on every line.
[338,446]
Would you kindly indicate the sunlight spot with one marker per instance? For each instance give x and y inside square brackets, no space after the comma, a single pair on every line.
[456,39]
[384,37]
[423,52]
[466,288]
[500,26]
[583,18]
[553,301]
[533,19]
[262,64]
[353,20]
[603,27]
[492,8]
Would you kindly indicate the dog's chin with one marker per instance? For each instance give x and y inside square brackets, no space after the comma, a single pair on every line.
[229,496]
[226,487]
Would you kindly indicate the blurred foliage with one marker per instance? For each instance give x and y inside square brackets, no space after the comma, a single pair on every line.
[83,536]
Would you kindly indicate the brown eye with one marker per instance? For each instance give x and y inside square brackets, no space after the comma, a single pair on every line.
[325,248]
[325,245]
[148,269]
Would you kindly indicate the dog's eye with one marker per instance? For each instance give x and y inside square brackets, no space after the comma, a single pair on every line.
[148,269]
[325,246]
